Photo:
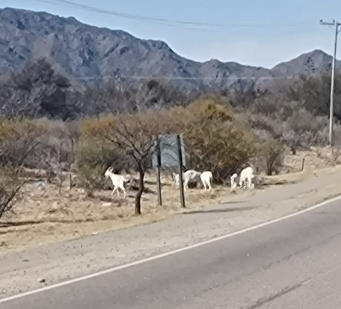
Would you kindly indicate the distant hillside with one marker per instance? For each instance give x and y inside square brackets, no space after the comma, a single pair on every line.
[315,62]
[86,52]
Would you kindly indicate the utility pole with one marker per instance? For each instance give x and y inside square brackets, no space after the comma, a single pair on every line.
[336,25]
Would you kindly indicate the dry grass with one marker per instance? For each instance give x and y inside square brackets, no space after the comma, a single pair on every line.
[45,216]
[316,158]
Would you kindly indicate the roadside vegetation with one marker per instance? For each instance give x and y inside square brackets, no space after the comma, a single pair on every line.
[57,139]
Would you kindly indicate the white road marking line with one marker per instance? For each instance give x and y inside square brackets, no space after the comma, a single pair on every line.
[156,257]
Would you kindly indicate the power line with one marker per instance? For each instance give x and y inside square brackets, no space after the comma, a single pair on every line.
[168,22]
[137,77]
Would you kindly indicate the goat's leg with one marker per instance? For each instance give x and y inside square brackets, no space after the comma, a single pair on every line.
[113,191]
[252,185]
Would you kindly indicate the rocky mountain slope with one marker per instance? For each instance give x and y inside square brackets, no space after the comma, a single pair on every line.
[86,53]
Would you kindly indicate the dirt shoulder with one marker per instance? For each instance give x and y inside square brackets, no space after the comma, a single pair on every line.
[20,271]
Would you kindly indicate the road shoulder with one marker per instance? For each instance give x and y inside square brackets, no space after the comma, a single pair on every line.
[62,261]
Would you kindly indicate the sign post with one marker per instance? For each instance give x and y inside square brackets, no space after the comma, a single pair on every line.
[158,171]
[181,182]
[170,152]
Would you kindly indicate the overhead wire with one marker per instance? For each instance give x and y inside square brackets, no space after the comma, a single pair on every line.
[137,77]
[178,23]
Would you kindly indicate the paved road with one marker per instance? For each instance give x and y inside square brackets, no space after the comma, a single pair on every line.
[295,263]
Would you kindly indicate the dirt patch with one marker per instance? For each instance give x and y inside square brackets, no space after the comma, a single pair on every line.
[43,217]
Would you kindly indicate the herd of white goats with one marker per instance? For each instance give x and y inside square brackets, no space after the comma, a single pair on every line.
[246,179]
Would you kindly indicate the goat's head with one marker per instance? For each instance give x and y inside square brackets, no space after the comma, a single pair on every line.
[108,172]
[233,177]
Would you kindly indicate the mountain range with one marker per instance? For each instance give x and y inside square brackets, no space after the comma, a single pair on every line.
[85,53]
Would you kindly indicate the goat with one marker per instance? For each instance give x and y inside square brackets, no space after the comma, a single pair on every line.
[246,177]
[118,181]
[188,176]
[206,179]
[234,183]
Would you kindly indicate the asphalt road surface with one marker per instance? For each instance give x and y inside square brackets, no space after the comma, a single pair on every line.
[295,263]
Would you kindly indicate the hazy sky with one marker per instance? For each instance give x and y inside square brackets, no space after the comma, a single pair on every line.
[255,32]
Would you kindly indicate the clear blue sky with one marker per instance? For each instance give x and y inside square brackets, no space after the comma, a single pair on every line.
[278,30]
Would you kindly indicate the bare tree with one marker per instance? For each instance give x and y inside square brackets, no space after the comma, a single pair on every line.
[35,91]
[135,134]
[10,184]
[17,143]
[314,91]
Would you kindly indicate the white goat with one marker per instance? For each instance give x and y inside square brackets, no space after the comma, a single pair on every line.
[246,177]
[234,183]
[188,176]
[118,181]
[206,179]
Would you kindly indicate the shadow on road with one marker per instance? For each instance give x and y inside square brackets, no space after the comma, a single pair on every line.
[232,202]
[223,210]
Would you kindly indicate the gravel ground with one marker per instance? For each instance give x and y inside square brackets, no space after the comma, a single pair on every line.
[57,262]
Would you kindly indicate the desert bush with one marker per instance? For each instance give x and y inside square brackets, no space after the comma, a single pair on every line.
[209,108]
[292,124]
[266,105]
[98,153]
[261,125]
[37,90]
[314,93]
[222,149]
[213,139]
[57,146]
[271,155]
[93,157]
[91,178]
[10,184]
[307,126]
[19,140]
